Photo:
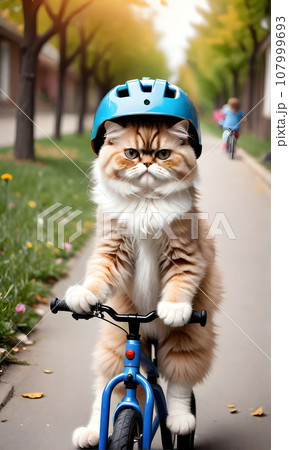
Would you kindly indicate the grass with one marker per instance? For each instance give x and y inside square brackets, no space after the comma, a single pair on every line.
[255,147]
[28,266]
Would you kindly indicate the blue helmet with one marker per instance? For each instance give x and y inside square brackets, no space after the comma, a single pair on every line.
[154,98]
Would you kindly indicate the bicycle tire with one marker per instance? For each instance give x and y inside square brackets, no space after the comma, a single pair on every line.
[229,144]
[233,146]
[127,429]
[166,437]
[186,441]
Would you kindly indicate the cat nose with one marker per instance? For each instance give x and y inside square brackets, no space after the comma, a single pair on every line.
[147,164]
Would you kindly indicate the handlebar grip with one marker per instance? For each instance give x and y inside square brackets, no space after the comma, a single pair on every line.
[59,305]
[199,317]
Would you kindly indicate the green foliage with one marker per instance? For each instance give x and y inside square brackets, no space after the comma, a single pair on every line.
[123,45]
[225,40]
[28,266]
[134,53]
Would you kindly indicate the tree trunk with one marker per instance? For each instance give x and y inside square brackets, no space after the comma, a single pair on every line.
[252,90]
[83,104]
[63,64]
[59,102]
[24,144]
[30,47]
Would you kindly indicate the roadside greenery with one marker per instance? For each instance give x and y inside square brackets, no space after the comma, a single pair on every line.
[224,53]
[29,267]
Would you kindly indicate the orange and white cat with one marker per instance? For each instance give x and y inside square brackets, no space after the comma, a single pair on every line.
[147,258]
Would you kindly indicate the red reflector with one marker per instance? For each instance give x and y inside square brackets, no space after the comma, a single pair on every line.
[130,354]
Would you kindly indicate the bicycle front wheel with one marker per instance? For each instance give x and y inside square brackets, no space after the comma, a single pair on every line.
[229,144]
[127,431]
[233,146]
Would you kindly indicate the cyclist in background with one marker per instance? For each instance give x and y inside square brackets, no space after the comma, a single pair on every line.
[232,116]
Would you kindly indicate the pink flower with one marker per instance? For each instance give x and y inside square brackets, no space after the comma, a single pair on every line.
[11,205]
[67,246]
[20,308]
[58,261]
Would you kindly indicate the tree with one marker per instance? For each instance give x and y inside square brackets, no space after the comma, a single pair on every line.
[230,38]
[90,35]
[86,72]
[30,47]
[251,13]
[188,82]
[118,53]
[132,54]
[65,61]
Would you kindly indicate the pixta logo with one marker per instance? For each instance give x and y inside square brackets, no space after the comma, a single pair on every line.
[58,216]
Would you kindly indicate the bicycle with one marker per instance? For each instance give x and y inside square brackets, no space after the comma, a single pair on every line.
[231,142]
[133,428]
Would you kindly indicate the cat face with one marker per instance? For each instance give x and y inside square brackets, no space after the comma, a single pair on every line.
[147,157]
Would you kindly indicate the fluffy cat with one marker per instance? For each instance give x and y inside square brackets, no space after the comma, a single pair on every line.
[145,259]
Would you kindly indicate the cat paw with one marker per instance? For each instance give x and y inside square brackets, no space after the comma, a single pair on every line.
[174,314]
[85,437]
[181,423]
[80,299]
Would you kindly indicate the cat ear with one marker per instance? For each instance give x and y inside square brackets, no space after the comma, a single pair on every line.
[113,130]
[181,129]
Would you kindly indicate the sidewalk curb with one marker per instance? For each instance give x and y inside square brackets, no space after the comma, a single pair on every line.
[6,392]
[261,171]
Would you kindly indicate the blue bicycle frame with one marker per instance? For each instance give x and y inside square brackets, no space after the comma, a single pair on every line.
[153,393]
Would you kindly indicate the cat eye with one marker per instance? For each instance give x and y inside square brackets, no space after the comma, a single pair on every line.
[131,153]
[163,154]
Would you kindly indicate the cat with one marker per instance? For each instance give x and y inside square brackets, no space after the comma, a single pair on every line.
[145,259]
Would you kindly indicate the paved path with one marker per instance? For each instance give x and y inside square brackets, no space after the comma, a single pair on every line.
[241,373]
[44,125]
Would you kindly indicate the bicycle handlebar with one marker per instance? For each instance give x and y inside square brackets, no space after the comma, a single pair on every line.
[57,305]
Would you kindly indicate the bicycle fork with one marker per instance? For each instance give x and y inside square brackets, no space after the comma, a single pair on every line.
[131,378]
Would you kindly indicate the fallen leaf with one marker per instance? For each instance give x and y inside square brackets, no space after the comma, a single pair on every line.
[234,411]
[4,420]
[231,405]
[47,371]
[258,412]
[33,395]
[15,350]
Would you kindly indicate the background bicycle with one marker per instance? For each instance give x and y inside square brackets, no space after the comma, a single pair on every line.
[231,145]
